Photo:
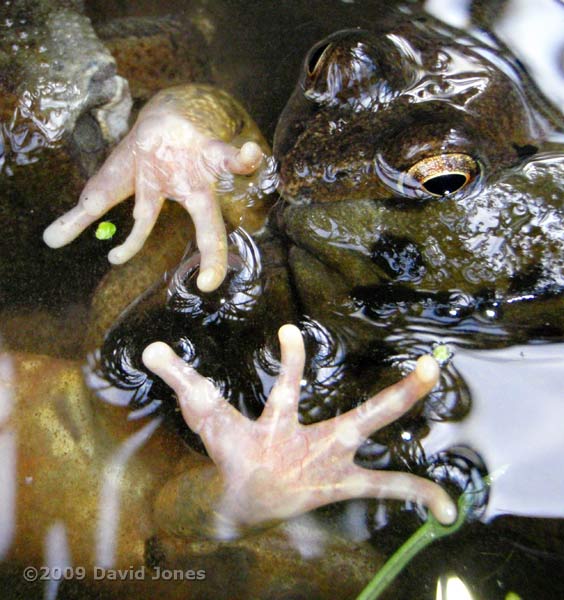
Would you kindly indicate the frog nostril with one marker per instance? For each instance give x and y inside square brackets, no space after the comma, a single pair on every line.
[442,185]
[316,58]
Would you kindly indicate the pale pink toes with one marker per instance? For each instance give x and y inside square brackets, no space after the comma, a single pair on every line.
[222,157]
[275,468]
[165,155]
[113,183]
[285,395]
[200,402]
[211,238]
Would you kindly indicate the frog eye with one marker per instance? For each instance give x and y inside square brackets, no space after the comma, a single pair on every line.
[444,174]
[316,58]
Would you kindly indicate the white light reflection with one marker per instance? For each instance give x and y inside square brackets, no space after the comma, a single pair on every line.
[455,13]
[306,536]
[104,389]
[515,424]
[147,410]
[57,558]
[451,587]
[7,456]
[355,522]
[109,501]
[535,32]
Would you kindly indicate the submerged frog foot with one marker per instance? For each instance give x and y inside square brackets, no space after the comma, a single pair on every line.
[171,152]
[275,468]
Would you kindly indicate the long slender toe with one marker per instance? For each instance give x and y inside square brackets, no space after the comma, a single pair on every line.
[68,227]
[211,238]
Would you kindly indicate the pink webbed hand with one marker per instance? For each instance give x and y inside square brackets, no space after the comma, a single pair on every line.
[169,153]
[274,468]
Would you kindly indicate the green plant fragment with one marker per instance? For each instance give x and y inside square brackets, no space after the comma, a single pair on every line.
[105,230]
[429,532]
[442,353]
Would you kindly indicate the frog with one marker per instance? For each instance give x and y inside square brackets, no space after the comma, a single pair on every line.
[401,197]
[327,174]
[439,160]
[381,200]
[299,268]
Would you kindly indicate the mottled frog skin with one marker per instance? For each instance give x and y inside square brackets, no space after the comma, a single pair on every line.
[375,123]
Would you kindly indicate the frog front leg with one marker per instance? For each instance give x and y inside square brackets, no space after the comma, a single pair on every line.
[275,468]
[183,142]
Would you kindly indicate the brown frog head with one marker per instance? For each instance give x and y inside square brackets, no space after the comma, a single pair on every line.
[400,155]
[408,113]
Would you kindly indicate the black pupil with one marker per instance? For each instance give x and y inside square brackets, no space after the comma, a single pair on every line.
[441,185]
